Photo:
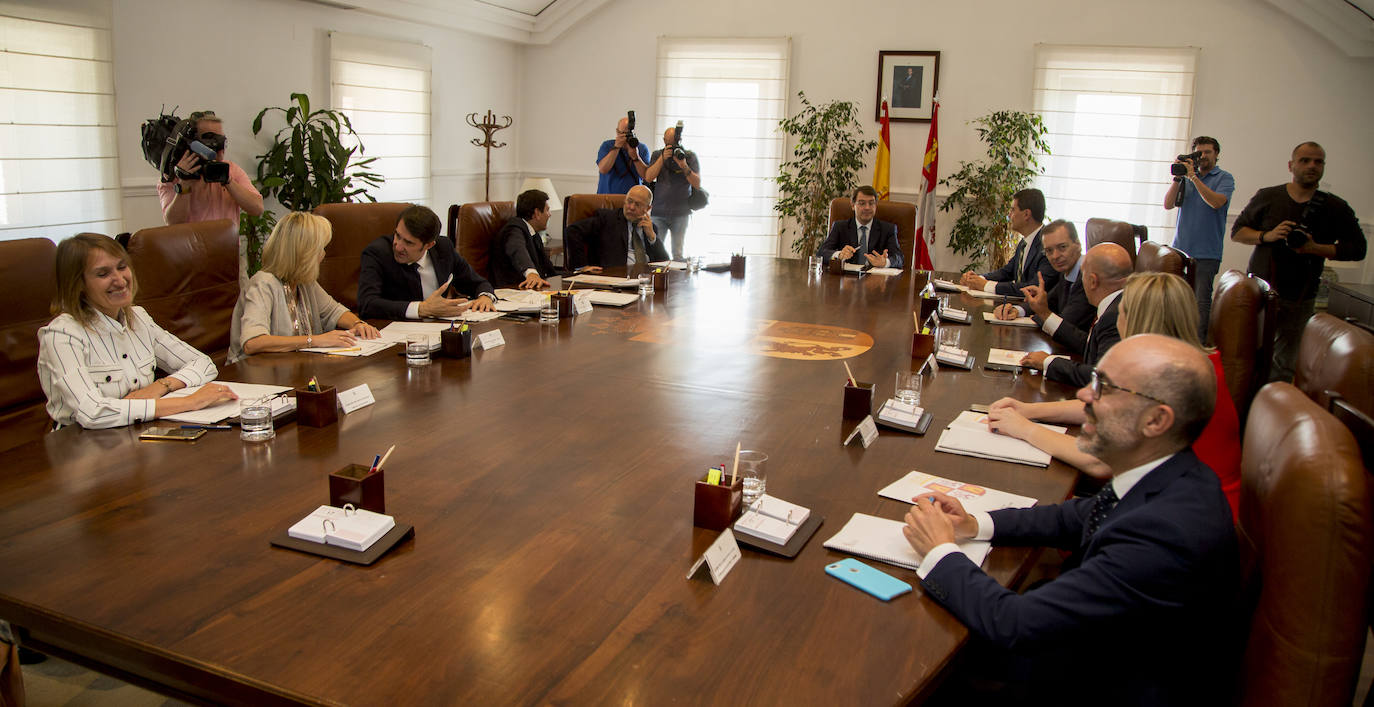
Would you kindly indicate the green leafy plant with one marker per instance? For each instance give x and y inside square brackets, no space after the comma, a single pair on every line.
[315,158]
[825,163]
[983,189]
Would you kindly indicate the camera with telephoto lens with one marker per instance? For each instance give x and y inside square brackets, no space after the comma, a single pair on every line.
[1302,233]
[1179,170]
[679,153]
[630,138]
[167,139]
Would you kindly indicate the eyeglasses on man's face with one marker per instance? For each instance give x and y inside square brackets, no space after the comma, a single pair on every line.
[1100,381]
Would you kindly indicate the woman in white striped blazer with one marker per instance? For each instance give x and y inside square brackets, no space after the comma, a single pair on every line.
[98,360]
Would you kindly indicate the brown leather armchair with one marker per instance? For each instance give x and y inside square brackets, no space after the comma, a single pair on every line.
[355,225]
[900,213]
[1105,230]
[577,207]
[1242,327]
[1157,257]
[472,227]
[27,267]
[188,280]
[1306,537]
[1336,356]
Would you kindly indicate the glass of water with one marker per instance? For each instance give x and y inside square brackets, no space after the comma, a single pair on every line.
[949,337]
[417,350]
[815,263]
[694,263]
[755,477]
[255,420]
[548,311]
[908,387]
[646,284]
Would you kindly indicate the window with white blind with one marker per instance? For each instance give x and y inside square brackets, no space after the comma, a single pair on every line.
[1117,117]
[59,166]
[383,88]
[730,95]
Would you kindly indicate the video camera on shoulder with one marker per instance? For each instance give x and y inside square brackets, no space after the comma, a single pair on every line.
[167,139]
[1179,170]
[1302,233]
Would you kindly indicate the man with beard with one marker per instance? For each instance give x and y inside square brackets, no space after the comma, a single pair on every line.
[1206,198]
[1140,613]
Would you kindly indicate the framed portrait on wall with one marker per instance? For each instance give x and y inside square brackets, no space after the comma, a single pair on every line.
[909,81]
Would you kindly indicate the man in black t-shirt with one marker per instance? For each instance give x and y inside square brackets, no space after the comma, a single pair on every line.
[1294,229]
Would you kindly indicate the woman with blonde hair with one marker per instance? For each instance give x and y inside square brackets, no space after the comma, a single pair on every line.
[283,307]
[98,359]
[1152,303]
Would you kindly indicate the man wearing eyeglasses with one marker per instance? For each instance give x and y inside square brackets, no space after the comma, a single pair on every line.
[615,237]
[1065,303]
[1140,613]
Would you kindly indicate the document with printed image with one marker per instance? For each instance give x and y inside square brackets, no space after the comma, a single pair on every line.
[971,496]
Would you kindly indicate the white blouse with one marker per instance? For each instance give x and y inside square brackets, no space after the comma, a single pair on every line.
[87,372]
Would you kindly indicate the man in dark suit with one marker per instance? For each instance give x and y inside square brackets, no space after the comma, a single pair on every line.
[615,237]
[1141,612]
[405,275]
[1066,302]
[518,258]
[1026,214]
[1104,273]
[863,240]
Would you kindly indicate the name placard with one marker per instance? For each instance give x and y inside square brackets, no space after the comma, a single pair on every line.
[489,340]
[867,431]
[719,559]
[356,398]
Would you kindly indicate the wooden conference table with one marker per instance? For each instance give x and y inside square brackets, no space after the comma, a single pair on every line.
[550,483]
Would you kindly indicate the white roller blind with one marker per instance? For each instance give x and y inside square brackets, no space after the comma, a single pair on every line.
[59,163]
[730,95]
[1117,117]
[383,87]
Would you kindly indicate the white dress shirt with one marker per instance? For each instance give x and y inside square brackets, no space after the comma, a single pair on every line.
[429,282]
[991,285]
[1101,307]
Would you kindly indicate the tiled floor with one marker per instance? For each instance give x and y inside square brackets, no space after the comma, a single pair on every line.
[57,683]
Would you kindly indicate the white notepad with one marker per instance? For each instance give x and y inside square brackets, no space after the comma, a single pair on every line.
[972,497]
[1005,357]
[347,528]
[882,539]
[670,264]
[612,299]
[948,286]
[604,280]
[217,413]
[362,347]
[772,519]
[993,295]
[969,435]
[991,318]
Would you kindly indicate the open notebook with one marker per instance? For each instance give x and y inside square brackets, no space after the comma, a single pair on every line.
[969,435]
[245,391]
[882,539]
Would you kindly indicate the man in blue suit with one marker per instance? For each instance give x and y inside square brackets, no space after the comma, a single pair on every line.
[863,240]
[1141,613]
[1026,216]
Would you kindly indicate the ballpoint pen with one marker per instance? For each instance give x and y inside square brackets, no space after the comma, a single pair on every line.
[206,427]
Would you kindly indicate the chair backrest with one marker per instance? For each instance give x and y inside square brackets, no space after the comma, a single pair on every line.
[472,227]
[1244,311]
[1306,536]
[354,225]
[1336,355]
[1360,424]
[188,280]
[900,213]
[1157,257]
[1105,230]
[28,268]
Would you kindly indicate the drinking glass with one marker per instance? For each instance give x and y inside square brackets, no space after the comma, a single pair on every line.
[548,311]
[417,350]
[646,284]
[908,387]
[255,420]
[755,477]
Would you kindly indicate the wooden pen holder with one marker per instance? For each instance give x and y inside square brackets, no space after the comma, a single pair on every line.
[717,506]
[660,283]
[835,266]
[456,344]
[922,345]
[928,307]
[317,408]
[352,484]
[564,300]
[858,400]
[737,266]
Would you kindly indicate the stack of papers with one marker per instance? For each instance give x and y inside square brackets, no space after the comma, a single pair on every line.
[603,280]
[346,528]
[882,539]
[396,332]
[772,519]
[991,318]
[972,498]
[994,295]
[948,286]
[1004,358]
[611,299]
[969,435]
[226,410]
[363,347]
[954,356]
[896,412]
[509,300]
[885,271]
[952,314]
[670,264]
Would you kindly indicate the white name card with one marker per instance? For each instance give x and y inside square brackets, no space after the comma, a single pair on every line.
[490,340]
[867,431]
[932,364]
[719,559]
[582,305]
[356,398]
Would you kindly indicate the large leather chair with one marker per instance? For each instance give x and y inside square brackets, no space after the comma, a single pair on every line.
[472,226]
[1306,537]
[577,207]
[1157,257]
[1336,356]
[900,213]
[188,280]
[27,267]
[355,225]
[1244,315]
[1105,230]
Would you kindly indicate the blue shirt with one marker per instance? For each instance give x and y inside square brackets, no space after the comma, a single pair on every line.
[1201,228]
[623,174]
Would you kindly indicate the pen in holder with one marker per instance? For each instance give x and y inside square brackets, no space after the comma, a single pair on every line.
[928,307]
[737,266]
[456,343]
[858,400]
[564,300]
[922,345]
[317,408]
[352,484]
[660,283]
[717,506]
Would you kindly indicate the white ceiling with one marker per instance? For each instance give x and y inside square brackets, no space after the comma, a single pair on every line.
[1349,28]
[524,21]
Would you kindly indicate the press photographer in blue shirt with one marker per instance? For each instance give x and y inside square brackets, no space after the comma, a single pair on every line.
[1202,192]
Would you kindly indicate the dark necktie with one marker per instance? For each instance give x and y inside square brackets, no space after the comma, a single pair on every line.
[863,240]
[1016,261]
[637,239]
[1103,503]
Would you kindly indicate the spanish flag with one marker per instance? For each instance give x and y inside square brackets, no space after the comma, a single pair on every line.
[882,170]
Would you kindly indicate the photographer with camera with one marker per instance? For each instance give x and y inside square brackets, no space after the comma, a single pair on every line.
[1202,192]
[198,188]
[674,172]
[623,161]
[1294,229]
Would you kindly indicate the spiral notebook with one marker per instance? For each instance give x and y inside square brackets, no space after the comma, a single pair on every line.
[882,540]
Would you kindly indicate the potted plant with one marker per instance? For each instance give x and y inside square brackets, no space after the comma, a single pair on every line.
[308,164]
[828,155]
[983,189]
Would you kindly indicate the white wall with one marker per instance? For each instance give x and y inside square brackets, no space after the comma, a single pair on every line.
[1264,82]
[239,57]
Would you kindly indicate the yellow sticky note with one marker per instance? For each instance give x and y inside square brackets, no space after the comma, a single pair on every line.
[713,477]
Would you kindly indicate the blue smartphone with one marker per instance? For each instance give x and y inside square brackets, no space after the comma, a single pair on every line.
[879,584]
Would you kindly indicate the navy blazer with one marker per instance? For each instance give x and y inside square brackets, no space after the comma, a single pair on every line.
[600,240]
[386,288]
[882,236]
[1102,336]
[1010,283]
[515,250]
[1070,302]
[1141,614]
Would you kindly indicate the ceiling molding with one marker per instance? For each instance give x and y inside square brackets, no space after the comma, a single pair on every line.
[487,18]
[1336,21]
